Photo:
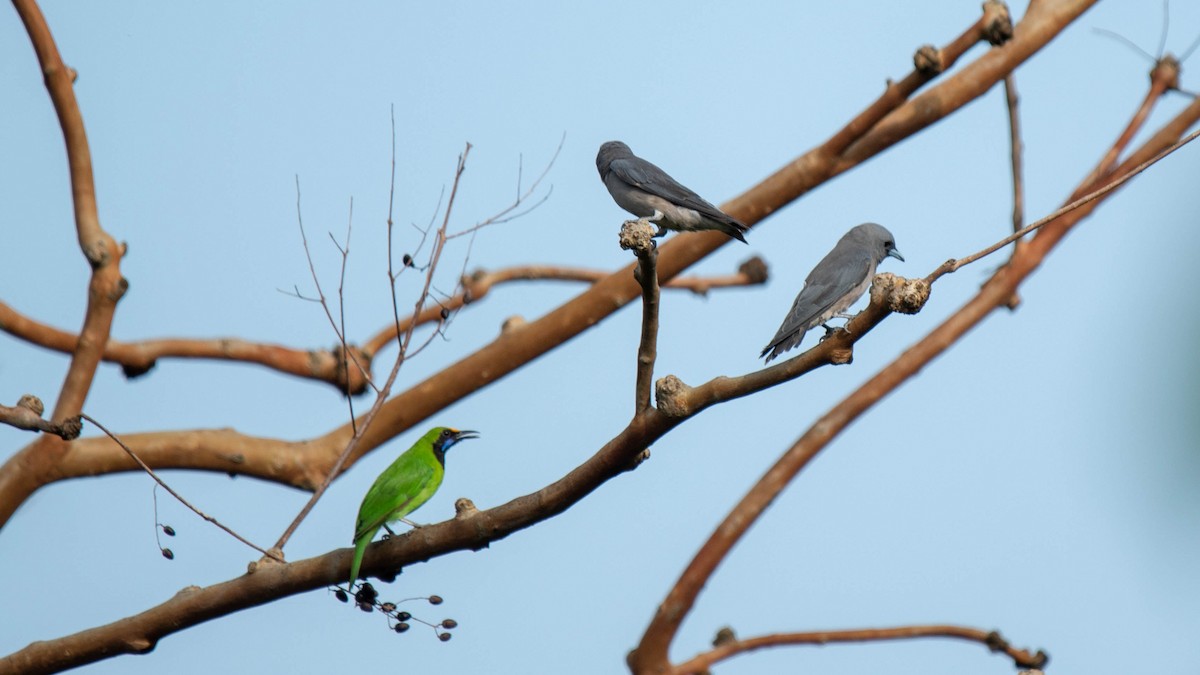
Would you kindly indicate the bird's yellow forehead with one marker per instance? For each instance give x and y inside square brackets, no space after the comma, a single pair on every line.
[453,430]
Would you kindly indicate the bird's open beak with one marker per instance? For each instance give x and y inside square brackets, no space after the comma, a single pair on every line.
[464,435]
[896,254]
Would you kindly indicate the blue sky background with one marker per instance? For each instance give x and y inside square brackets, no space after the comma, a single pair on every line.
[1039,478]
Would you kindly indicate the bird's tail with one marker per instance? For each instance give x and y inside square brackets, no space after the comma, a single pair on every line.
[735,229]
[359,547]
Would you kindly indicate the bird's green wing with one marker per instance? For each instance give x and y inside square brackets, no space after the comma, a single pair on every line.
[403,487]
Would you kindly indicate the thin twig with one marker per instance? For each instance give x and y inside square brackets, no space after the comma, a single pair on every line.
[175,494]
[1127,42]
[1022,658]
[439,242]
[953,265]
[1017,147]
[509,212]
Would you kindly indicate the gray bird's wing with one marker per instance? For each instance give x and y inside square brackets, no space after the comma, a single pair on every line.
[837,275]
[649,178]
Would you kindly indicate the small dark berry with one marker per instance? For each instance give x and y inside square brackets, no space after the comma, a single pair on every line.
[435,599]
[445,314]
[168,530]
[341,596]
[401,627]
[366,607]
[366,593]
[387,607]
[444,637]
[403,616]
[449,623]
[168,554]
[407,260]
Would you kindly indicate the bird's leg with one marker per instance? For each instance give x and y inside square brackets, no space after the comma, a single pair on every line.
[658,215]
[410,523]
[829,330]
[389,530]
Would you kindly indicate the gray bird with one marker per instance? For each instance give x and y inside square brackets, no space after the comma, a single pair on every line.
[648,192]
[840,279]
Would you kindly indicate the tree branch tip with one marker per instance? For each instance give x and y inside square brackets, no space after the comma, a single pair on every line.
[671,396]
[928,61]
[132,371]
[1166,70]
[997,22]
[513,323]
[899,294]
[32,403]
[724,635]
[638,236]
[755,269]
[464,508]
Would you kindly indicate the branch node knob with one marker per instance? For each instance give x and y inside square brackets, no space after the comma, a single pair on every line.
[670,395]
[928,61]
[637,236]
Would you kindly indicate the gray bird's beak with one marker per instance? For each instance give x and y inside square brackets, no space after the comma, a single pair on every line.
[464,435]
[896,254]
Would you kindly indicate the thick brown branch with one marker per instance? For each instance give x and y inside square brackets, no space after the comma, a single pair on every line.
[137,358]
[651,654]
[1022,658]
[106,286]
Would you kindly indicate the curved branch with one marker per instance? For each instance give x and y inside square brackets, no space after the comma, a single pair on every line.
[479,283]
[102,253]
[329,365]
[1022,658]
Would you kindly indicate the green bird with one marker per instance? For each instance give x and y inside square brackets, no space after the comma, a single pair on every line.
[403,487]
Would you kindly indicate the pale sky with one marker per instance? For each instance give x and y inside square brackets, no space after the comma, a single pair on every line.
[1039,478]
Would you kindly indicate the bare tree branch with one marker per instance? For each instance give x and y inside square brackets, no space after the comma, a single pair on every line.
[637,235]
[1016,147]
[176,495]
[1021,658]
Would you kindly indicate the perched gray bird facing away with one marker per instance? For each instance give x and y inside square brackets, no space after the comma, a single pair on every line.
[840,279]
[648,192]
